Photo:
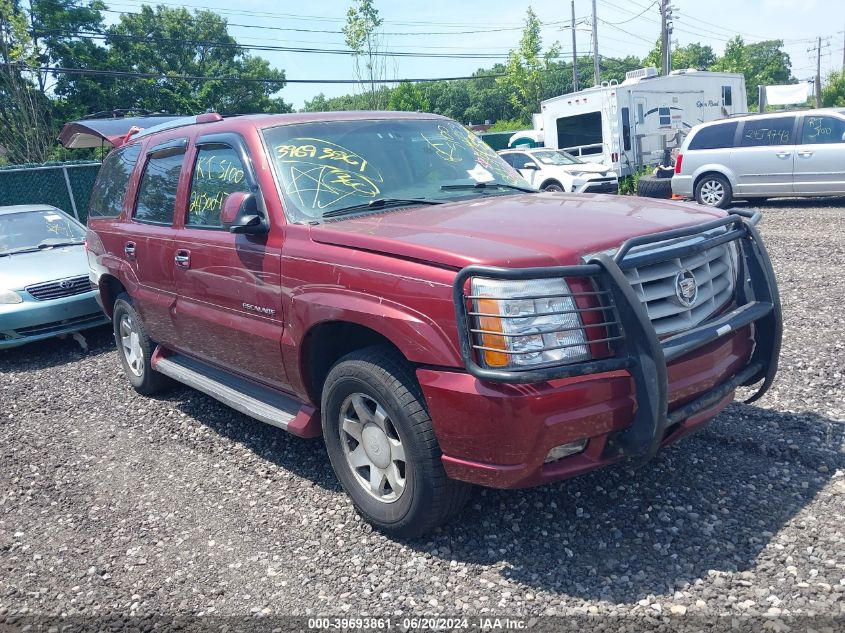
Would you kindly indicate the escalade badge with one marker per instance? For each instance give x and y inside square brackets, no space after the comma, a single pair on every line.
[686,289]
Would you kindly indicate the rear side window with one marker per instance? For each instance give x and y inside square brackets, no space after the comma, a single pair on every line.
[112,181]
[218,172]
[714,136]
[157,193]
[773,131]
[823,129]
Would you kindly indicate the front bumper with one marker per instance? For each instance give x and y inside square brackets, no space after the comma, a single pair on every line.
[599,185]
[31,320]
[496,427]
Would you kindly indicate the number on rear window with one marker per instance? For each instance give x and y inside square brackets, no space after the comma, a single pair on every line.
[112,181]
[714,136]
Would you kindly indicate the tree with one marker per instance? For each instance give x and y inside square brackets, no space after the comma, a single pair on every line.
[408,97]
[168,43]
[363,38]
[762,63]
[833,92]
[525,68]
[693,55]
[26,130]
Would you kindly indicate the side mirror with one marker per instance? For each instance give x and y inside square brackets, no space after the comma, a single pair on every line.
[529,165]
[240,214]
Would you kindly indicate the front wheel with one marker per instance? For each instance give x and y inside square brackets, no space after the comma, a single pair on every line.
[713,191]
[382,447]
[553,186]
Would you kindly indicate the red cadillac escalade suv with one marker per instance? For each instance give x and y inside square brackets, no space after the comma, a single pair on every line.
[386,281]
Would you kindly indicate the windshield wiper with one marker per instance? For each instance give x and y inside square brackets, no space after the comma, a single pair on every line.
[49,244]
[40,247]
[378,203]
[486,185]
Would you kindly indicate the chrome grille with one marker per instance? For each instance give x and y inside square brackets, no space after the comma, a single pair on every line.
[714,270]
[60,288]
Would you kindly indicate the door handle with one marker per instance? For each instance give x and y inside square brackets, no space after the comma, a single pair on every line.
[183,259]
[805,154]
[129,249]
[783,154]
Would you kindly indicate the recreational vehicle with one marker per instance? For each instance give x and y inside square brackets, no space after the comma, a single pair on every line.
[632,124]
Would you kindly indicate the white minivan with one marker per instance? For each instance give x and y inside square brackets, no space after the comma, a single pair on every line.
[763,156]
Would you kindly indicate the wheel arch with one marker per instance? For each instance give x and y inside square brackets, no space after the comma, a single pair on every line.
[552,181]
[713,170]
[110,288]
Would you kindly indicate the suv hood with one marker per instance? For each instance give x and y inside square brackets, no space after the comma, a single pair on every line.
[24,269]
[542,229]
[587,168]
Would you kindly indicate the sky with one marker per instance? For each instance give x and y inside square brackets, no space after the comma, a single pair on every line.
[625,27]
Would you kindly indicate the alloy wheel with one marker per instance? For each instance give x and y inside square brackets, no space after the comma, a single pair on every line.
[131,344]
[373,449]
[712,192]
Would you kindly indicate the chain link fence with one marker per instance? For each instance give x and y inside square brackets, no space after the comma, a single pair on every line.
[64,185]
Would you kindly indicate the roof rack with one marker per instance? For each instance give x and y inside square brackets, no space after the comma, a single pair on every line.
[120,113]
[205,117]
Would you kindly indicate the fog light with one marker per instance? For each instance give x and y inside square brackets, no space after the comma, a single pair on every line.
[565,450]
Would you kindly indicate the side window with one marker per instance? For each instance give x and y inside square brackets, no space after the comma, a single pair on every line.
[519,160]
[157,192]
[626,129]
[727,95]
[218,172]
[823,129]
[665,116]
[640,114]
[508,158]
[769,131]
[714,136]
[110,188]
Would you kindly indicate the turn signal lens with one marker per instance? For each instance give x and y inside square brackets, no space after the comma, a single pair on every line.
[492,324]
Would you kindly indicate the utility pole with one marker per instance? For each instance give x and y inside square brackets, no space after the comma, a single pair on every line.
[817,83]
[665,37]
[819,72]
[574,53]
[596,70]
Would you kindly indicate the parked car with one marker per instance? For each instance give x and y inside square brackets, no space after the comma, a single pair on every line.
[555,170]
[387,281]
[44,286]
[763,156]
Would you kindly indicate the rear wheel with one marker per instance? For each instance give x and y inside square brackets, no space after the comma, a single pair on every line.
[135,349]
[382,447]
[713,190]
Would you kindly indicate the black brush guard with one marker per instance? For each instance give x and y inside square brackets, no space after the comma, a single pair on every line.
[633,341]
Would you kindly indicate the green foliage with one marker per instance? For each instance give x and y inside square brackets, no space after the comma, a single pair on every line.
[628,184]
[510,125]
[525,68]
[361,33]
[833,92]
[762,63]
[693,55]
[408,97]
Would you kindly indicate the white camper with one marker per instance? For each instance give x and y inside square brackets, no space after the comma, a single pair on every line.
[631,124]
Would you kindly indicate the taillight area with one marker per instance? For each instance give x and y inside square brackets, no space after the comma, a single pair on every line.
[678,161]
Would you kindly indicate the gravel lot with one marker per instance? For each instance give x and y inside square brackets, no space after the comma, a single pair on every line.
[115,504]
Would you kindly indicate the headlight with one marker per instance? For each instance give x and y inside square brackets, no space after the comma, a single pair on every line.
[526,323]
[9,296]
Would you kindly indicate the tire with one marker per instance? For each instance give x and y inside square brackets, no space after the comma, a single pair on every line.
[135,349]
[713,190]
[553,186]
[384,452]
[654,187]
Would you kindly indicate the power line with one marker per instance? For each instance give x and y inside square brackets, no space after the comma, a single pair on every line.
[643,12]
[265,80]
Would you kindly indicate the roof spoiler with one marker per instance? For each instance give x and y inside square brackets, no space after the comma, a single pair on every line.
[113,131]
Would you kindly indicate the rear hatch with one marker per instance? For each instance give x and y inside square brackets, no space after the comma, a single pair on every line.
[109,131]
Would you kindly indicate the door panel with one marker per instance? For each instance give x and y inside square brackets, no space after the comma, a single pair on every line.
[229,309]
[820,158]
[763,158]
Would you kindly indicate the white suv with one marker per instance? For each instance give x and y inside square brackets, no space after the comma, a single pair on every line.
[555,170]
[763,156]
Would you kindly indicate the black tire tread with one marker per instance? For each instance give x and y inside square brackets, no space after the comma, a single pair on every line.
[654,187]
[450,495]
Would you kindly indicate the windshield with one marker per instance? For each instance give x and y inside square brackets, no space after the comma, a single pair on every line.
[556,158]
[31,230]
[332,165]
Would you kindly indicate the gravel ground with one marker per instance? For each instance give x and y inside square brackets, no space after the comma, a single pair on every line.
[115,504]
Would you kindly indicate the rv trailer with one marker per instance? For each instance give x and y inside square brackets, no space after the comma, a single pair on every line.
[631,124]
